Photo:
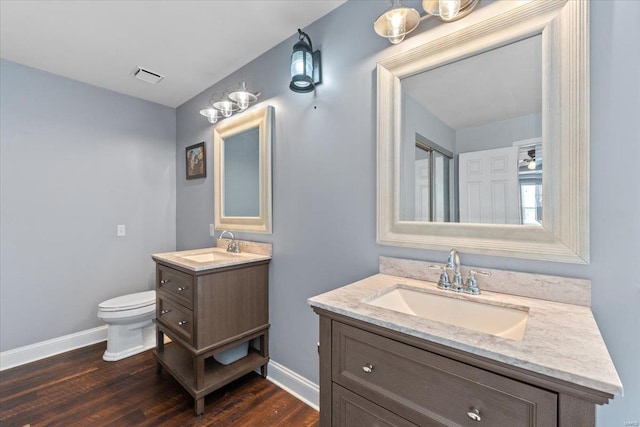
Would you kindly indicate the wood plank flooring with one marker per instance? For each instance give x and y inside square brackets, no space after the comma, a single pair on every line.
[78,388]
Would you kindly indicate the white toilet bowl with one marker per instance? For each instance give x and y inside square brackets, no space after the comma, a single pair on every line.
[130,320]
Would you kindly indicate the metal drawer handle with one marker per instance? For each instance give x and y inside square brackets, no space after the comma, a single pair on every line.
[165,311]
[368,368]
[163,282]
[474,415]
[180,288]
[182,322]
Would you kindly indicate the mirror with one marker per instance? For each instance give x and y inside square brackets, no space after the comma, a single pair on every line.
[463,123]
[242,156]
[474,164]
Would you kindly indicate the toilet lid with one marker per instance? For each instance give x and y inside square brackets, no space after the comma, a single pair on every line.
[129,302]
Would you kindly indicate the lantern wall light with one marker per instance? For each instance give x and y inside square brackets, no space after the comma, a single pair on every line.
[306,72]
[229,103]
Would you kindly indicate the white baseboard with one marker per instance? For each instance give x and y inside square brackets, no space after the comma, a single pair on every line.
[31,353]
[294,384]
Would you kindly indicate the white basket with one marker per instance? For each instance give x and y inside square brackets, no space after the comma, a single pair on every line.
[227,357]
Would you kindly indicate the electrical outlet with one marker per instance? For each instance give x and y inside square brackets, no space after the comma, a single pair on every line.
[212,230]
[121,230]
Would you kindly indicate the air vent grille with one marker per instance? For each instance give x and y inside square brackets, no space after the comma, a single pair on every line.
[146,75]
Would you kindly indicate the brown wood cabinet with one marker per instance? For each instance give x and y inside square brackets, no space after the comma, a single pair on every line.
[370,375]
[205,313]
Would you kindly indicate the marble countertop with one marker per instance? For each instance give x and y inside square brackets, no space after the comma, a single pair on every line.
[209,258]
[561,340]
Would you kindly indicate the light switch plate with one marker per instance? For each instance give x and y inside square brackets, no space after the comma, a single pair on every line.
[121,230]
[212,230]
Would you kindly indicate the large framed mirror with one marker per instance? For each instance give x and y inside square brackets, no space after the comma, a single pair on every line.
[483,137]
[242,179]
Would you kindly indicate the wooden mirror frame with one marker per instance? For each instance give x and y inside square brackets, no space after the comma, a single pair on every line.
[564,233]
[263,120]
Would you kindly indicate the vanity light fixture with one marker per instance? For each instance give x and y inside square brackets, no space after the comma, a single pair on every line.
[396,22]
[306,72]
[449,10]
[224,107]
[399,20]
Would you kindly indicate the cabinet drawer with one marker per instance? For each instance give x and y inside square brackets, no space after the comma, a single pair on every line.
[424,387]
[177,284]
[351,410]
[176,318]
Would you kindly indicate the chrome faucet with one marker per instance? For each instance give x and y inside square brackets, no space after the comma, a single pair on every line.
[458,285]
[232,246]
[453,262]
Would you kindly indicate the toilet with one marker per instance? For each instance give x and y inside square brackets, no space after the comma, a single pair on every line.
[130,320]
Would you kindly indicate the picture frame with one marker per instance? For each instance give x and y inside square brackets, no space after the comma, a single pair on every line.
[196,161]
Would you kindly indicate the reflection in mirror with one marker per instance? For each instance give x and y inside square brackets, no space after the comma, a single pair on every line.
[242,171]
[241,177]
[471,148]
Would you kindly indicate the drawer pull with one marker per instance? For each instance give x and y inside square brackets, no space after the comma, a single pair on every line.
[180,288]
[474,415]
[182,322]
[165,311]
[368,368]
[163,282]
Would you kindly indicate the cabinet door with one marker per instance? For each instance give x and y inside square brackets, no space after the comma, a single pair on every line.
[351,410]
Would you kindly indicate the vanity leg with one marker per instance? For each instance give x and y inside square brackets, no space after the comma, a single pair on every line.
[159,340]
[198,372]
[159,347]
[264,350]
[199,406]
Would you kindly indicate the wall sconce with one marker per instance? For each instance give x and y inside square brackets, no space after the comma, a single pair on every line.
[306,70]
[399,20]
[236,101]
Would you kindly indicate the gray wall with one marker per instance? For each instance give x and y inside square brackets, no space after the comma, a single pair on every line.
[324,184]
[498,134]
[77,160]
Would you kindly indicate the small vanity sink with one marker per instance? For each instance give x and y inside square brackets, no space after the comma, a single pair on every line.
[506,322]
[209,257]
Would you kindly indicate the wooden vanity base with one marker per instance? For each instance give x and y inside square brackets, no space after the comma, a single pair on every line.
[206,313]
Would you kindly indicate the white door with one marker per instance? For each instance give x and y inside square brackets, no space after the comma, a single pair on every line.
[422,196]
[489,186]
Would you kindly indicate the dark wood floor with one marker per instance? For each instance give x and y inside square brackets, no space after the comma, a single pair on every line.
[78,388]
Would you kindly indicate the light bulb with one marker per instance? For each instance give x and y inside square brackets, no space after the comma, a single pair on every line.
[532,164]
[212,119]
[396,34]
[449,9]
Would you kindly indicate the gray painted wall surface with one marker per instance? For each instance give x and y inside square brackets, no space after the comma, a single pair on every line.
[76,160]
[498,134]
[324,184]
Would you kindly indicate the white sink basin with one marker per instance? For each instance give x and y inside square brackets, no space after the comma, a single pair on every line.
[210,257]
[492,319]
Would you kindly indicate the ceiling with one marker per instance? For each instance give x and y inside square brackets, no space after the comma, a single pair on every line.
[194,44]
[496,85]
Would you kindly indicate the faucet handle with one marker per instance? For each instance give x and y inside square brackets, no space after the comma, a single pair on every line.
[443,282]
[471,287]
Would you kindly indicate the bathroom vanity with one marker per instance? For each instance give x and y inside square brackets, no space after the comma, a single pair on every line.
[385,366]
[208,302]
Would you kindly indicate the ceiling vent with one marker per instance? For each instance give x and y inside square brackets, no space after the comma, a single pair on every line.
[146,75]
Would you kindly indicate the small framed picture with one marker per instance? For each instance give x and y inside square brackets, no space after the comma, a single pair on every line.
[196,161]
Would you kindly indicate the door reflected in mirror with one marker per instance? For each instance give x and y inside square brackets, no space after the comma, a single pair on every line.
[471,148]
